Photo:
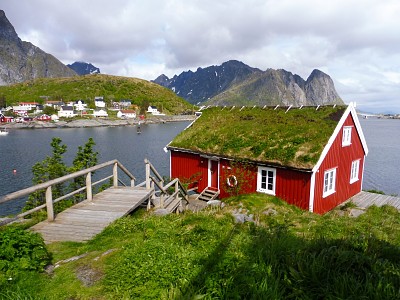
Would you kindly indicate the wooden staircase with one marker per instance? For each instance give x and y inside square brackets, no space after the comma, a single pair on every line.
[208,194]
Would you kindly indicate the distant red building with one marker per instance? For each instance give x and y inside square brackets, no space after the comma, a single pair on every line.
[315,164]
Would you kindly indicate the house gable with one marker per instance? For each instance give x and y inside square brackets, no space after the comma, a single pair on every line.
[340,157]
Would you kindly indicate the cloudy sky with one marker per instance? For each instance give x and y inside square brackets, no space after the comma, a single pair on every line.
[356,42]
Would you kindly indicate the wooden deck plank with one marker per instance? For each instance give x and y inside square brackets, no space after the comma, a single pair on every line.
[366,199]
[88,218]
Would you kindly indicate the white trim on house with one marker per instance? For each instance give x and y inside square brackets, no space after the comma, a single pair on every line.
[329,182]
[346,137]
[209,183]
[362,173]
[263,185]
[312,193]
[350,110]
[170,164]
[355,171]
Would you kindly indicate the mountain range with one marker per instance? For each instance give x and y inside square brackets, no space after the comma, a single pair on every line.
[21,61]
[232,83]
[235,83]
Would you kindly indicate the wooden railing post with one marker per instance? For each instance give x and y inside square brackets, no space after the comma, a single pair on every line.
[89,192]
[147,174]
[49,204]
[115,173]
[177,189]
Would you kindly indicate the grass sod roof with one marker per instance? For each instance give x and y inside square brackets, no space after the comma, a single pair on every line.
[295,138]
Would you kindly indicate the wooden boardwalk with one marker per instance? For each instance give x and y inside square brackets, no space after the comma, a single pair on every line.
[88,218]
[366,199]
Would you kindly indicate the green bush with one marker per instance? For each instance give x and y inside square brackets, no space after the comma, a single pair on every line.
[21,250]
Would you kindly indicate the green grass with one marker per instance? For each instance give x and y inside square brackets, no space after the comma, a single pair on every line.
[112,88]
[295,138]
[291,255]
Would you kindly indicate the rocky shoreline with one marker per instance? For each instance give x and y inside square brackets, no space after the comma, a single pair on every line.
[96,122]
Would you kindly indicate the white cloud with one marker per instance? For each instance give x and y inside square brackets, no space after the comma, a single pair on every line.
[355,41]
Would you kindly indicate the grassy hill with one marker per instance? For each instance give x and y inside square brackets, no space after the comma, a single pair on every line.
[286,253]
[112,88]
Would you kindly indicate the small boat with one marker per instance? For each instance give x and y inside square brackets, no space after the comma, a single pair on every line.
[3,131]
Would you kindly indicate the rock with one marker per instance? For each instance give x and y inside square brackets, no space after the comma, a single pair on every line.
[270,212]
[241,218]
[88,276]
[215,203]
[161,212]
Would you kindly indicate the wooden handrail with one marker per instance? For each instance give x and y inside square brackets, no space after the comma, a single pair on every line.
[158,181]
[47,187]
[146,161]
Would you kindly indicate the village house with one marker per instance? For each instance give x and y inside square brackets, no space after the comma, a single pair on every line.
[311,157]
[126,114]
[123,104]
[54,104]
[99,102]
[154,111]
[100,113]
[78,105]
[66,111]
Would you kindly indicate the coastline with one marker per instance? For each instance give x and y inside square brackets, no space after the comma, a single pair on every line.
[96,122]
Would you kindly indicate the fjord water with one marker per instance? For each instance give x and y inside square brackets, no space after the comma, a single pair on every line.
[382,165]
[21,149]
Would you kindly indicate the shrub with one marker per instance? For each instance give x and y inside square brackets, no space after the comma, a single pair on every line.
[21,250]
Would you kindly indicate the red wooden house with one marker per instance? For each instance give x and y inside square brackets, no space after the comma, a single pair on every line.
[312,157]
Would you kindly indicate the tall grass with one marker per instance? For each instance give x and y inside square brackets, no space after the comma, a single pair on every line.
[206,255]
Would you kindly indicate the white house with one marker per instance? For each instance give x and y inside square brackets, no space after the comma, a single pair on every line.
[28,105]
[99,102]
[66,112]
[55,104]
[79,105]
[20,110]
[100,113]
[154,111]
[126,114]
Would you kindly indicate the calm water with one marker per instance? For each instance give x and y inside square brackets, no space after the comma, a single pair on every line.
[22,148]
[382,166]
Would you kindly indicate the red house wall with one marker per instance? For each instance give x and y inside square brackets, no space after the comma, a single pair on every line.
[341,158]
[291,186]
[190,168]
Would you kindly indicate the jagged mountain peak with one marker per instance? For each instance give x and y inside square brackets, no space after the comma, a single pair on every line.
[7,31]
[84,68]
[21,61]
[317,73]
[235,83]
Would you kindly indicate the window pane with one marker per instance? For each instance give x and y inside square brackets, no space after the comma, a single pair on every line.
[264,179]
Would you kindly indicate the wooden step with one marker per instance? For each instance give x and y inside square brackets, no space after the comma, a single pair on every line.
[208,194]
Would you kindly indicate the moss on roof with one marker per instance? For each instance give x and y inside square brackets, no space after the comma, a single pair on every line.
[294,138]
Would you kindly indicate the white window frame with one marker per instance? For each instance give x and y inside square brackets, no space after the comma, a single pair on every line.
[266,190]
[355,171]
[346,138]
[329,184]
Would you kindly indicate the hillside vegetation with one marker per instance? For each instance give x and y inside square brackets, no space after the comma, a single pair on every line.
[112,88]
[286,253]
